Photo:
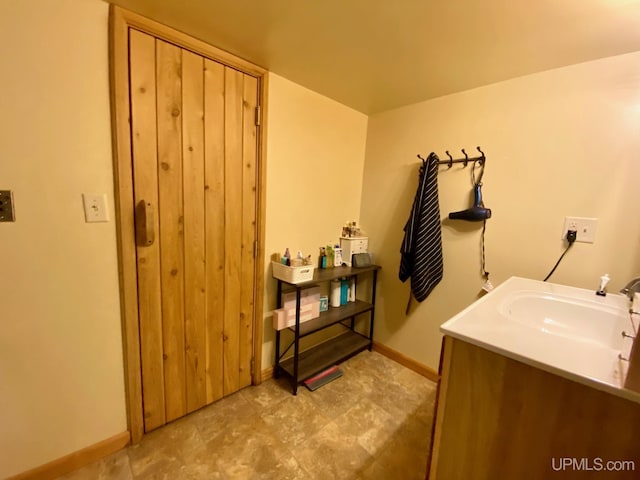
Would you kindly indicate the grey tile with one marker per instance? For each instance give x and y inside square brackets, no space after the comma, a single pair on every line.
[268,393]
[225,415]
[338,396]
[166,448]
[371,425]
[405,454]
[374,422]
[332,453]
[294,419]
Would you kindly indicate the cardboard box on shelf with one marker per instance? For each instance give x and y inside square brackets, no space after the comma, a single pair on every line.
[307,295]
[286,317]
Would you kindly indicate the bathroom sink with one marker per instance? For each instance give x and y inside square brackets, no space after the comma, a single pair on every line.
[572,317]
[565,330]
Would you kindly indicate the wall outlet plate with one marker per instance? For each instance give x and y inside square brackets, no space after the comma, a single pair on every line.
[584,226]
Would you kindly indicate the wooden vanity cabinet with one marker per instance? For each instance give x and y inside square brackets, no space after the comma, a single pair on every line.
[497,418]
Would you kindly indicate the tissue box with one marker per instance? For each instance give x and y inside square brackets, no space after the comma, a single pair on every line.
[307,295]
[286,317]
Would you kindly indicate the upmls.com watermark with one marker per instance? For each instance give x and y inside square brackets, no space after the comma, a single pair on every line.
[592,465]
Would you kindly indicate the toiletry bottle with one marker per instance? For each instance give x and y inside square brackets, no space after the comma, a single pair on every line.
[330,256]
[352,289]
[334,297]
[322,260]
[337,252]
[602,289]
[287,255]
[344,291]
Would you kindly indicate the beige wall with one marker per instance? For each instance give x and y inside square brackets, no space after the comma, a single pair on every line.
[61,373]
[559,143]
[562,142]
[315,158]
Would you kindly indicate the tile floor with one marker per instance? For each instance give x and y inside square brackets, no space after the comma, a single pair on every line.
[372,423]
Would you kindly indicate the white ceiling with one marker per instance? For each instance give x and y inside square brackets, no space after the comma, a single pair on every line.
[375,55]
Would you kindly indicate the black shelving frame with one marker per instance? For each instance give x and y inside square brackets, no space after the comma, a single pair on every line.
[303,365]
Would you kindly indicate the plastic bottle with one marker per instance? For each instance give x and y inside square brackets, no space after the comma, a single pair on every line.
[322,259]
[337,252]
[334,299]
[344,291]
[330,256]
[352,289]
[604,280]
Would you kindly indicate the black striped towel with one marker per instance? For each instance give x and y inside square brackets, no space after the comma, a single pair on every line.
[422,245]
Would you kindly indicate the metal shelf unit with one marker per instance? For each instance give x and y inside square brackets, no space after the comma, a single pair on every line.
[303,365]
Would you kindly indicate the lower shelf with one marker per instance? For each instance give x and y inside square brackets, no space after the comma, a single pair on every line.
[326,354]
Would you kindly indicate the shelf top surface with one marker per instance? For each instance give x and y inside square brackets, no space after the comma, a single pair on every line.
[333,316]
[326,274]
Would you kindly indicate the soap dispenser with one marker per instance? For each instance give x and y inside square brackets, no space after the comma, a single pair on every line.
[602,290]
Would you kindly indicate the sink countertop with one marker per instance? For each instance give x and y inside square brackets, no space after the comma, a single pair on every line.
[564,330]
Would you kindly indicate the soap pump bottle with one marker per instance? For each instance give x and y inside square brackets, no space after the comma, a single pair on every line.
[602,290]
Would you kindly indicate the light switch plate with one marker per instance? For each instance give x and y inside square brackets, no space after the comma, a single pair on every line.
[6,206]
[95,207]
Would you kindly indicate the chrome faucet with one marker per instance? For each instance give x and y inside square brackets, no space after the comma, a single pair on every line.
[631,288]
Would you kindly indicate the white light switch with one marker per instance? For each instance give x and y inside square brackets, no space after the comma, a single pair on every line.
[95,207]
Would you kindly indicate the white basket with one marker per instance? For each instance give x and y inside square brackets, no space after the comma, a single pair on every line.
[293,274]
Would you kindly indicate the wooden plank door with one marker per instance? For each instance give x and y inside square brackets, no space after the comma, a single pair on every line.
[194,149]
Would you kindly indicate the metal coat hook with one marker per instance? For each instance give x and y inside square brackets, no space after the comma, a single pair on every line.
[481,153]
[481,162]
[450,164]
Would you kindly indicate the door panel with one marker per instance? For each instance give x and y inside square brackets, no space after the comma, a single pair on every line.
[194,228]
[171,231]
[249,175]
[214,226]
[145,172]
[233,82]
[194,159]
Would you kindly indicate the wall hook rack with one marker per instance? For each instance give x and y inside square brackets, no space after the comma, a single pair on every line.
[465,161]
[450,162]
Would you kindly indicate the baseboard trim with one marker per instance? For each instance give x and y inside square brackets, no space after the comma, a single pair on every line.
[388,352]
[267,373]
[410,363]
[76,460]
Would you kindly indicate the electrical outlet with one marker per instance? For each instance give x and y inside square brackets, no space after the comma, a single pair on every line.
[585,228]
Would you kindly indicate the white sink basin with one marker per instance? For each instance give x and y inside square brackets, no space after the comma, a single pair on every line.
[565,330]
[571,317]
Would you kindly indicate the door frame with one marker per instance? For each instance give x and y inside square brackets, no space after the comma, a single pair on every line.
[120,20]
